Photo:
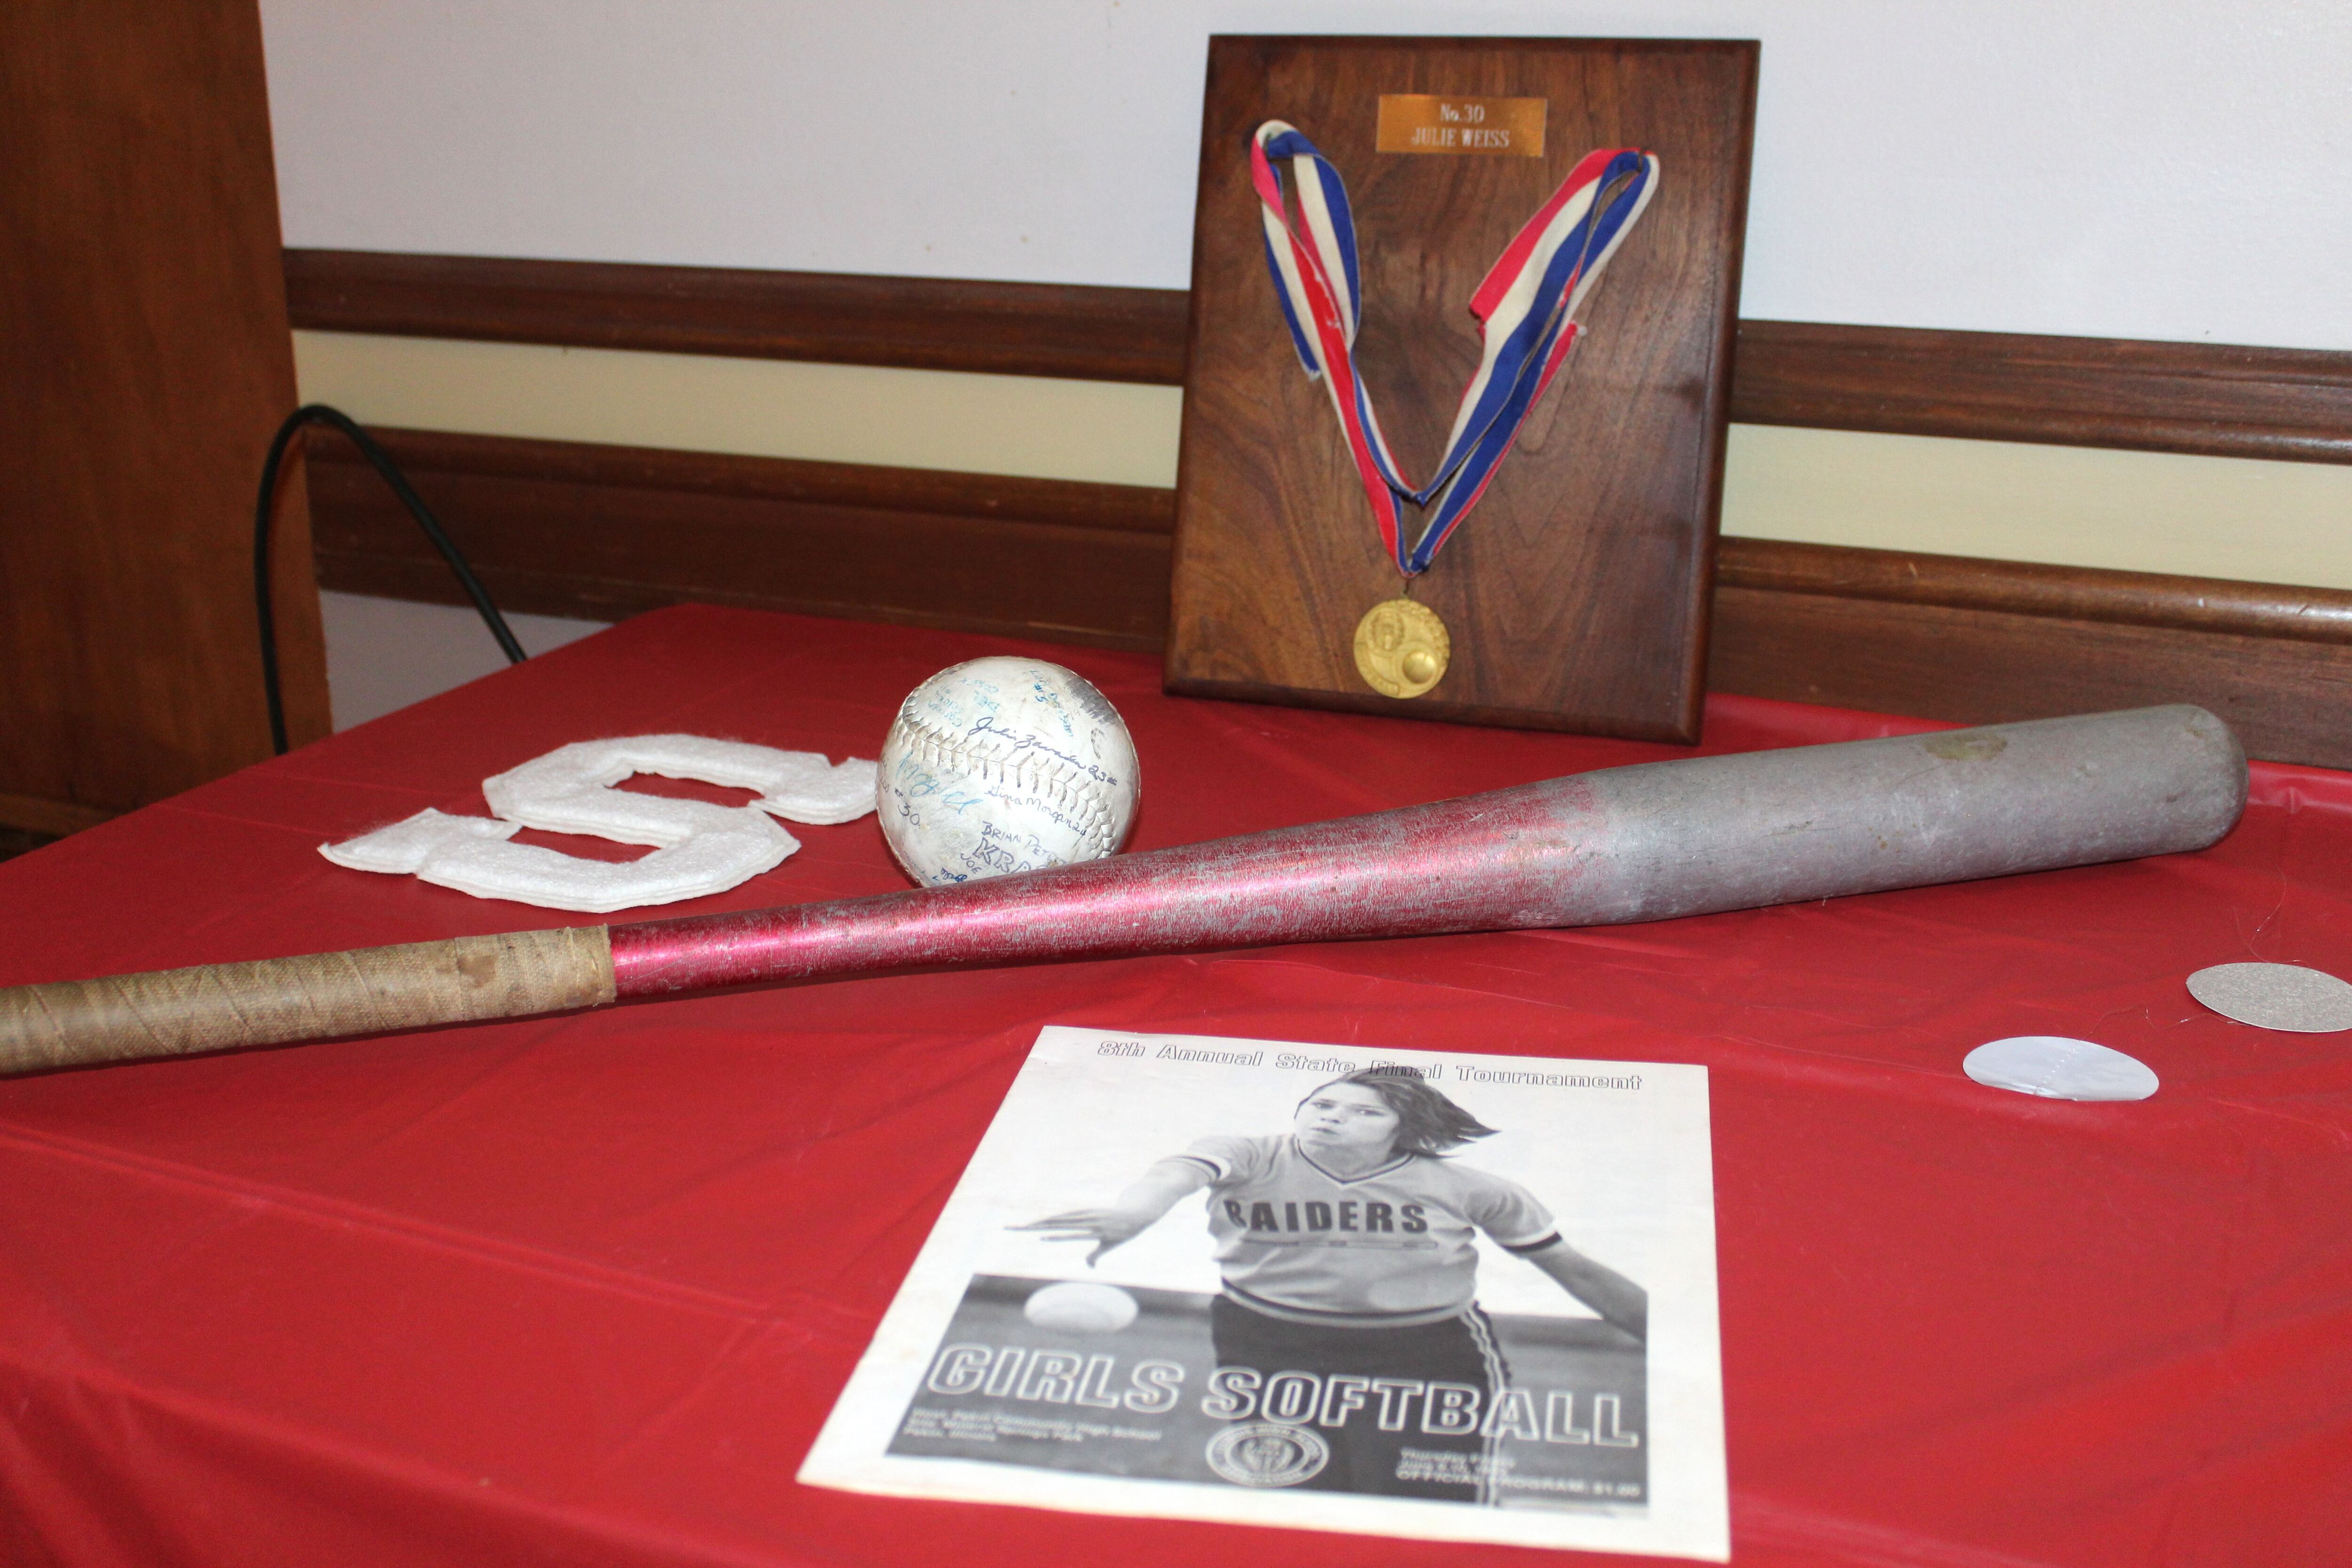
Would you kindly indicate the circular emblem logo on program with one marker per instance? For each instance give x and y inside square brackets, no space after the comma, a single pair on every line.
[1264,1454]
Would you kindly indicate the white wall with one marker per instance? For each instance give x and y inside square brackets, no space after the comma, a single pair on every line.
[2162,169]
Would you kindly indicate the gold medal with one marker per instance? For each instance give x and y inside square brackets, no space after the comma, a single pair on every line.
[1402,648]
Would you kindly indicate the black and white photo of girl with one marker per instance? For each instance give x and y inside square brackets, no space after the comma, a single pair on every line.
[1346,1252]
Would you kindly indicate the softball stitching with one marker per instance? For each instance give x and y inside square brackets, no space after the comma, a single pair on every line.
[1029,768]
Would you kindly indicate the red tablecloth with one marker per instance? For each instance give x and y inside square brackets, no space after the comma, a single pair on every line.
[582,1290]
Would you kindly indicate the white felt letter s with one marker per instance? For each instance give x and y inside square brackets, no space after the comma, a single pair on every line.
[699,847]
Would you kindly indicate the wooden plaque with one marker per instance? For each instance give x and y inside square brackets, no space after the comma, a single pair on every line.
[1575,595]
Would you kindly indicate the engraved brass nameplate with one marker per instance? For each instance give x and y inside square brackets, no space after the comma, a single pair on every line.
[1431,122]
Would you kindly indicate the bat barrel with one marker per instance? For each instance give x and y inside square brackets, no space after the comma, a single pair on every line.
[1647,842]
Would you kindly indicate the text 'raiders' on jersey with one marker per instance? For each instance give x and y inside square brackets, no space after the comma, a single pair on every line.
[1389,1248]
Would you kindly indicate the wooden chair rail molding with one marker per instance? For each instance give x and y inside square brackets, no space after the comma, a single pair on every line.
[604,531]
[916,323]
[2209,399]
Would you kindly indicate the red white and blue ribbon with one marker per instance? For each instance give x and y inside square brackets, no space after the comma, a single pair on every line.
[1526,311]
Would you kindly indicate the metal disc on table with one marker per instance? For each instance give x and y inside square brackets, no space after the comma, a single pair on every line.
[2275,996]
[2057,1067]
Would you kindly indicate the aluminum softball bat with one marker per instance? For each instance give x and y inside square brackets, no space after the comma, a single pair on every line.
[1647,842]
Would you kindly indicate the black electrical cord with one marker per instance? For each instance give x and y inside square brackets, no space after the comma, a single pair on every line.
[320,414]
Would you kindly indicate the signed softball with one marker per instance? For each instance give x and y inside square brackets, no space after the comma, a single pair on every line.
[1005,764]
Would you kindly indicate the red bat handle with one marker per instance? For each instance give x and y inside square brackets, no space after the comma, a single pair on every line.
[1488,861]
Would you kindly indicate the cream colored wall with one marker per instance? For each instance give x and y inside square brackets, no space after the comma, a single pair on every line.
[765,408]
[2070,506]
[2217,517]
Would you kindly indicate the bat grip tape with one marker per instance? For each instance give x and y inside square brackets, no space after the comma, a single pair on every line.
[218,1007]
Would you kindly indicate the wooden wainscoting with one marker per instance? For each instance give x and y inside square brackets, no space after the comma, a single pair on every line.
[2215,400]
[1086,333]
[565,528]
[1976,641]
[604,531]
[2207,398]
